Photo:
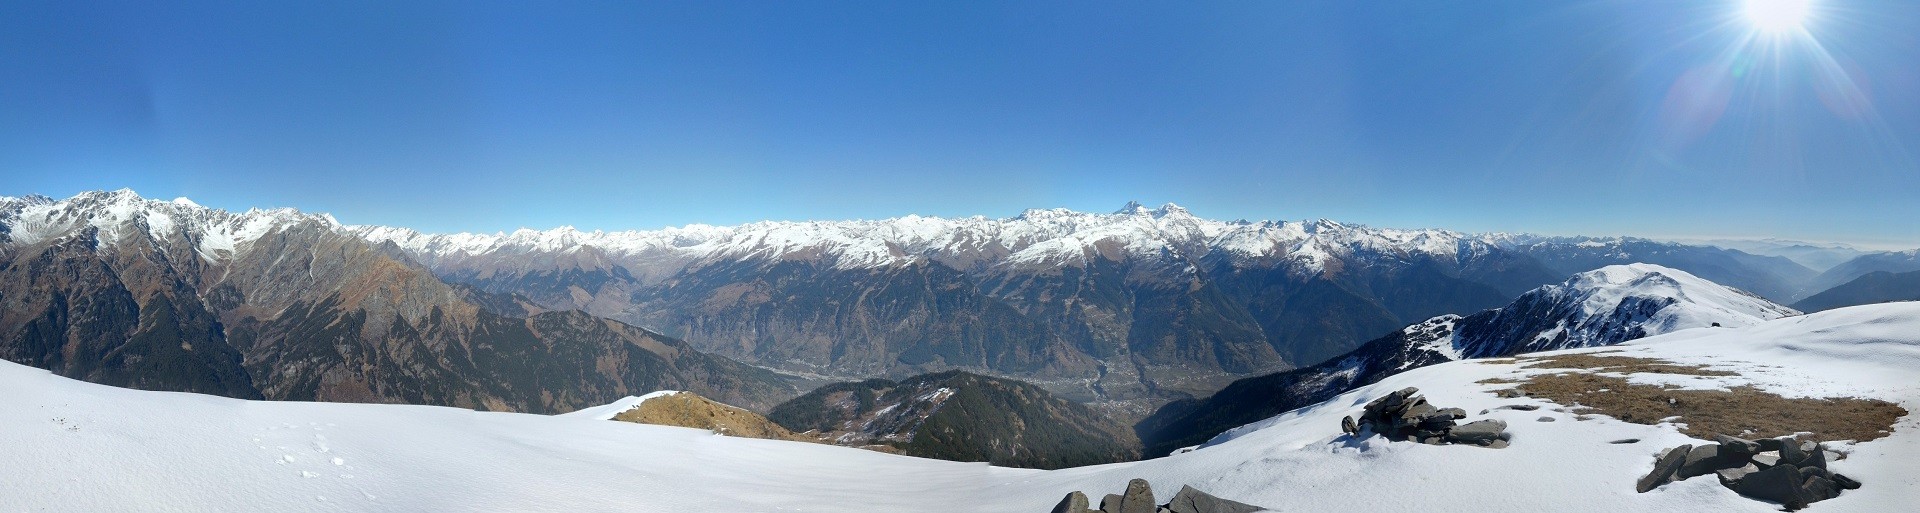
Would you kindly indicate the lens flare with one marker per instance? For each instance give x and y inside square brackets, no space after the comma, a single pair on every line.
[1777,16]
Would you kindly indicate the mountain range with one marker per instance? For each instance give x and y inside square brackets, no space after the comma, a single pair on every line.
[1136,307]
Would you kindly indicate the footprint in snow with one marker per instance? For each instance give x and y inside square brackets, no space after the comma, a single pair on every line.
[308,475]
[286,458]
[337,461]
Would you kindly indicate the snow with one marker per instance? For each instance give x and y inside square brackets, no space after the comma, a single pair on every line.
[1698,302]
[74,446]
[610,410]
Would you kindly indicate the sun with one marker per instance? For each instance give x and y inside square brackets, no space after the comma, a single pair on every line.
[1777,16]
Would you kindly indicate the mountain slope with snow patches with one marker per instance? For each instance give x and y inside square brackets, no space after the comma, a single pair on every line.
[1602,307]
[74,446]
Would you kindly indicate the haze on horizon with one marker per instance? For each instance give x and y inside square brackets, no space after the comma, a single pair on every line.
[1648,118]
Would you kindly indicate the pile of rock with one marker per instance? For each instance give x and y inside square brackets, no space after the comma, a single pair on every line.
[1402,416]
[1139,499]
[1783,470]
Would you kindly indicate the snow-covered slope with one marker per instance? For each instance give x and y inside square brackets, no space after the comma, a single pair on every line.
[73,446]
[1608,306]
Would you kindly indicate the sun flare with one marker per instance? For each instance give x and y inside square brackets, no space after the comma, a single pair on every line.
[1777,16]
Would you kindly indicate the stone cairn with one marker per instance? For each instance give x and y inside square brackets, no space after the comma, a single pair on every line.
[1139,499]
[1403,415]
[1783,470]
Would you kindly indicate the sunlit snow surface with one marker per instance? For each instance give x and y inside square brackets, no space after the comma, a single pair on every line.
[73,446]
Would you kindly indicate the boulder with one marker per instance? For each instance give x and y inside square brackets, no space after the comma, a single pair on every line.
[1452,413]
[1818,489]
[1845,483]
[1705,459]
[1138,498]
[1813,455]
[1736,446]
[1477,432]
[1730,477]
[1110,503]
[1766,459]
[1075,502]
[1190,500]
[1544,418]
[1771,444]
[1781,483]
[1391,401]
[1664,466]
[1348,426]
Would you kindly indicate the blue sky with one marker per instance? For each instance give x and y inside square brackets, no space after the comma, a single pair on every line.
[1607,117]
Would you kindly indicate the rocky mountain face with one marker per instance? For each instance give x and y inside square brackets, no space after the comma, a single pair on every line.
[959,416]
[1606,306]
[1873,287]
[116,289]
[1138,303]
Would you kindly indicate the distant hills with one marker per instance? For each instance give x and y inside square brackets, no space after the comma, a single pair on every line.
[1873,287]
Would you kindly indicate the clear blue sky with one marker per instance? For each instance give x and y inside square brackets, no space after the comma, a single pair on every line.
[1596,117]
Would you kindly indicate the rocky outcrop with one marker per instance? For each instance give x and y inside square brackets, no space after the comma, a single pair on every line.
[1138,498]
[1403,415]
[1783,470]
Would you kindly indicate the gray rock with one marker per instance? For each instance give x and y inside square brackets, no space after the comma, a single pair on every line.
[1625,441]
[1190,500]
[1521,407]
[1771,444]
[1846,483]
[1391,401]
[1544,418]
[1478,431]
[1348,426]
[1664,466]
[1705,459]
[1138,498]
[1110,503]
[1075,502]
[1816,455]
[1730,477]
[1739,446]
[1790,453]
[1766,459]
[1497,444]
[1453,413]
[1781,484]
[1818,488]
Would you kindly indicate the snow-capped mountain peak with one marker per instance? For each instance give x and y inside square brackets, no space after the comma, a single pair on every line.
[1607,306]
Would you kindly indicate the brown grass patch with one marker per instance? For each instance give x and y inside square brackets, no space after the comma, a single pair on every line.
[1621,364]
[1741,411]
[689,410]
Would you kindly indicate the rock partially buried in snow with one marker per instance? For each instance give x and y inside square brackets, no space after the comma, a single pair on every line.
[1075,502]
[1138,498]
[1664,466]
[1190,500]
[1791,473]
[1404,415]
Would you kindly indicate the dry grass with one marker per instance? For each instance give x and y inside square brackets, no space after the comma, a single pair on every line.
[1739,411]
[1621,364]
[689,410]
